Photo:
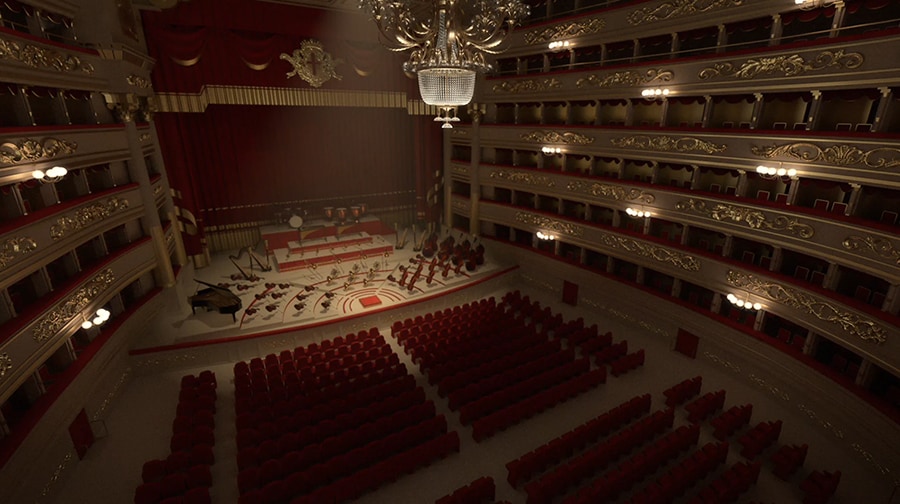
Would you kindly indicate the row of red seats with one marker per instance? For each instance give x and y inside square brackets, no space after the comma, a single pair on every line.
[627,362]
[730,421]
[759,438]
[522,469]
[500,344]
[632,470]
[819,486]
[705,405]
[477,316]
[185,473]
[314,353]
[682,391]
[306,481]
[595,459]
[611,353]
[595,342]
[489,425]
[729,485]
[502,357]
[385,471]
[463,310]
[519,391]
[477,492]
[672,485]
[503,378]
[431,349]
[788,459]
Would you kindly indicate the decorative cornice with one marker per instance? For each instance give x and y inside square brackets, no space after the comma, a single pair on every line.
[459,204]
[460,169]
[650,251]
[676,8]
[138,81]
[625,78]
[567,137]
[72,307]
[523,177]
[30,150]
[526,86]
[41,57]
[13,248]
[881,247]
[549,224]
[609,191]
[85,216]
[852,323]
[753,218]
[667,143]
[565,30]
[841,155]
[785,65]
[5,364]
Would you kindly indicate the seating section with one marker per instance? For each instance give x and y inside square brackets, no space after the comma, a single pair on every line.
[681,392]
[819,486]
[479,491]
[730,421]
[331,421]
[728,486]
[757,439]
[673,484]
[788,459]
[185,475]
[627,363]
[494,362]
[706,405]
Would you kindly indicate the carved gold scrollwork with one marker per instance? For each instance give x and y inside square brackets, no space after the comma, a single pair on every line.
[5,364]
[138,81]
[565,30]
[549,224]
[12,248]
[144,137]
[72,307]
[567,137]
[667,143]
[312,64]
[786,65]
[85,216]
[842,155]
[523,177]
[625,78]
[650,251]
[526,86]
[879,246]
[753,218]
[609,191]
[39,57]
[676,8]
[853,324]
[30,150]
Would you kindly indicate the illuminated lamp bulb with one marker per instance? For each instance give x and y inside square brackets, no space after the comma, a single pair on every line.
[86,324]
[665,92]
[740,303]
[97,321]
[781,172]
[792,172]
[757,306]
[732,298]
[103,312]
[57,172]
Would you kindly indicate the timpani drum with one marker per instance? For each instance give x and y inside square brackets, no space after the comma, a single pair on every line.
[356,212]
[342,215]
[329,212]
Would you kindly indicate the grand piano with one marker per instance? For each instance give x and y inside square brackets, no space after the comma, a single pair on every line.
[216,298]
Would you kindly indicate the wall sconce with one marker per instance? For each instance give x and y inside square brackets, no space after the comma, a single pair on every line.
[558,45]
[100,318]
[743,303]
[51,176]
[637,213]
[770,173]
[544,236]
[549,151]
[655,93]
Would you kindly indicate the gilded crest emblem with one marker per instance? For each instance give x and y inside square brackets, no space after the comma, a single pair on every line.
[312,63]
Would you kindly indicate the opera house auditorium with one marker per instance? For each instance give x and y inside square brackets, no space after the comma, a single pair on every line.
[449,251]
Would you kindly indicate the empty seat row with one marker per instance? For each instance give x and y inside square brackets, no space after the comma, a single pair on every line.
[731,420]
[611,353]
[477,492]
[673,484]
[627,363]
[729,485]
[500,358]
[819,486]
[759,438]
[705,405]
[682,391]
[788,459]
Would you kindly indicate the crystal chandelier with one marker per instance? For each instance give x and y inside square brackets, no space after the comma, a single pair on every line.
[448,40]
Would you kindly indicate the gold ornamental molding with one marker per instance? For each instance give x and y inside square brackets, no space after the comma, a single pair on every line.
[526,86]
[677,8]
[13,248]
[625,78]
[31,150]
[138,81]
[568,137]
[881,247]
[460,169]
[288,97]
[144,137]
[72,307]
[841,155]
[85,216]
[667,144]
[565,30]
[42,58]
[610,191]
[855,325]
[785,65]
[650,251]
[5,364]
[755,219]
[523,178]
[312,64]
[549,224]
